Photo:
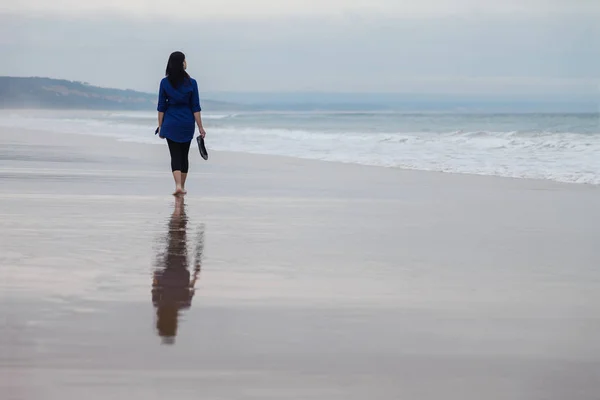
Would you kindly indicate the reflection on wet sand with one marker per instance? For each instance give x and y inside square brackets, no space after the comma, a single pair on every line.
[173,286]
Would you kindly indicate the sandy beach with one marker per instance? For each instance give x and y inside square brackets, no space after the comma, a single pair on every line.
[315,280]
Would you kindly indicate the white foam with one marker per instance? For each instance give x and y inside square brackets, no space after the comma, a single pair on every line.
[565,157]
[218,116]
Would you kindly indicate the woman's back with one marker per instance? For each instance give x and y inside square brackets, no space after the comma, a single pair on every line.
[179,105]
[181,95]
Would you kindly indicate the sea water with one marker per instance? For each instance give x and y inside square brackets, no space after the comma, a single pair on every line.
[560,147]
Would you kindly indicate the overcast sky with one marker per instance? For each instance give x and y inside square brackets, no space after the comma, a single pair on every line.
[428,46]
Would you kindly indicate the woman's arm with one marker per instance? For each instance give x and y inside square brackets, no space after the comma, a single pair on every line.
[198,119]
[162,106]
[196,109]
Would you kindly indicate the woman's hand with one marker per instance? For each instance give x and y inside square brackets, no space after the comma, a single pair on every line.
[202,132]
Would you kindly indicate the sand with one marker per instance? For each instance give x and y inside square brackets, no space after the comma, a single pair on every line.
[316,280]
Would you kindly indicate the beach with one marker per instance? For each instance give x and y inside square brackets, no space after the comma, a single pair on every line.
[315,280]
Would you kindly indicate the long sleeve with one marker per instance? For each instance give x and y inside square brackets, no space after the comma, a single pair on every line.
[162,99]
[195,100]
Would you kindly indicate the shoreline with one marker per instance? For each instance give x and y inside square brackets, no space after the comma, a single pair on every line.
[26,135]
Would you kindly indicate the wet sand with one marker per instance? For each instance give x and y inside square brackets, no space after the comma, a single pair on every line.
[314,280]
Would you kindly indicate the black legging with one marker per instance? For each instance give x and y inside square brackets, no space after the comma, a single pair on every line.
[179,156]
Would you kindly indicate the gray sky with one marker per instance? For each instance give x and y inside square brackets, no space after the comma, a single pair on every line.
[433,46]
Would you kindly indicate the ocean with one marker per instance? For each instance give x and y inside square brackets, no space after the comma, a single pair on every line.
[559,147]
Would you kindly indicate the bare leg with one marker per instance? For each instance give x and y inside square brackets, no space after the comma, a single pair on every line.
[183,178]
[178,186]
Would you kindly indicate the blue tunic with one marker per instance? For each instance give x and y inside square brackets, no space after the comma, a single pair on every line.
[179,105]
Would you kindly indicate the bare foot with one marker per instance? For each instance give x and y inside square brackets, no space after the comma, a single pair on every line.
[179,192]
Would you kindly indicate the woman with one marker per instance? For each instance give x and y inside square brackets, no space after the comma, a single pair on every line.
[178,109]
[173,286]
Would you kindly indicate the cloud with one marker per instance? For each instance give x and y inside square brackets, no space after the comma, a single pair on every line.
[186,9]
[493,54]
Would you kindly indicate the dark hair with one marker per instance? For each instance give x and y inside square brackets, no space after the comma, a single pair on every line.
[175,72]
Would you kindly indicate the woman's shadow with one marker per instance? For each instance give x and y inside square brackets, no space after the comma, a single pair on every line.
[173,286]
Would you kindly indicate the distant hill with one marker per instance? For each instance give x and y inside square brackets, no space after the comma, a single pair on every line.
[47,93]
